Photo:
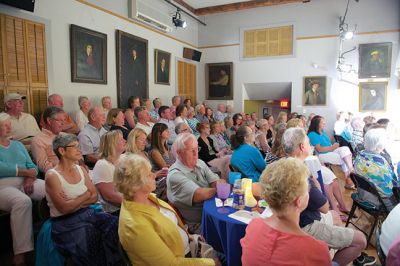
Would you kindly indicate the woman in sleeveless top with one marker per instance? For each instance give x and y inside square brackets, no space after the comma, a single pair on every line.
[160,155]
[87,236]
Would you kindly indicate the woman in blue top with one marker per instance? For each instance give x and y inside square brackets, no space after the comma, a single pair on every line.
[18,185]
[328,152]
[245,156]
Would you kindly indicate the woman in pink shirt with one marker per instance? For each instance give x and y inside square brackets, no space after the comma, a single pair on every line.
[279,240]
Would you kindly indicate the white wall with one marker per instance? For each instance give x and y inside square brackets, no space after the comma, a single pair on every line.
[57,15]
[317,18]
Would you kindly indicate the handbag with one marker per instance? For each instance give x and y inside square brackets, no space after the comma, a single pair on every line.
[200,249]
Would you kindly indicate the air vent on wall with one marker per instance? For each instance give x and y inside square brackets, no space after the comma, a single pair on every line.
[143,13]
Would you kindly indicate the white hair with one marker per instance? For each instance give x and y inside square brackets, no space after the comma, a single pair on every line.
[181,142]
[375,140]
[292,138]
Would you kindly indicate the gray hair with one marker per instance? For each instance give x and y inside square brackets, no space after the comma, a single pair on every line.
[178,127]
[198,107]
[357,123]
[82,99]
[292,138]
[375,140]
[182,139]
[51,96]
[51,112]
[61,141]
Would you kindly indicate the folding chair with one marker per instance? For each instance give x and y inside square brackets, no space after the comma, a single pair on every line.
[377,212]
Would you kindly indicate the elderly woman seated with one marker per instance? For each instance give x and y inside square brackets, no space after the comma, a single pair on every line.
[328,152]
[18,184]
[112,145]
[87,236]
[275,240]
[372,165]
[150,231]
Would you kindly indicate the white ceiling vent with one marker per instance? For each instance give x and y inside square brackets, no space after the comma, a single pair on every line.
[138,10]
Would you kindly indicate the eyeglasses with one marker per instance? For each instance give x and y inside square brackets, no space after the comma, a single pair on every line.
[76,146]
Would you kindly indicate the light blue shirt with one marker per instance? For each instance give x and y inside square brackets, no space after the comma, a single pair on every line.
[249,160]
[89,139]
[317,139]
[12,157]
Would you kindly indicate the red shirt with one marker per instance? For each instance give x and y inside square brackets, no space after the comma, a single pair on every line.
[264,245]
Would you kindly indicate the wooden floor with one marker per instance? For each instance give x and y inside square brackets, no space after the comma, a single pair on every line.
[363,221]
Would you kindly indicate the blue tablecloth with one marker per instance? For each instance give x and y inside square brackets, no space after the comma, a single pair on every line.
[223,232]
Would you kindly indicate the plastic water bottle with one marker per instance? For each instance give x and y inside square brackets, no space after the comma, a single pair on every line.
[238,195]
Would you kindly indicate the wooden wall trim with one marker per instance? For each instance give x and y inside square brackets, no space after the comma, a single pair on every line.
[186,5]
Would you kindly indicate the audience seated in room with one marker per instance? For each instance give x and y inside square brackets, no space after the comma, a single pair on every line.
[220,114]
[176,101]
[370,164]
[112,145]
[81,117]
[357,136]
[116,121]
[85,235]
[261,136]
[323,224]
[23,125]
[181,114]
[330,153]
[237,120]
[210,115]
[154,111]
[150,231]
[217,135]
[42,144]
[192,120]
[190,182]
[69,124]
[133,102]
[245,156]
[89,137]
[294,141]
[18,185]
[271,130]
[275,240]
[282,118]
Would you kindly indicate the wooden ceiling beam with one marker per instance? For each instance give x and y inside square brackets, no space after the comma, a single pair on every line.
[240,6]
[185,5]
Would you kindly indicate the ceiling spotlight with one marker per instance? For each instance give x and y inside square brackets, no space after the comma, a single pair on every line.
[178,21]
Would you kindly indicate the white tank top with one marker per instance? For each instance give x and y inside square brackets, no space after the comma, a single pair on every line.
[72,191]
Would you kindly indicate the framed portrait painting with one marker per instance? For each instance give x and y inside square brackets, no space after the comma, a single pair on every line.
[315,91]
[373,96]
[219,81]
[132,67]
[162,62]
[375,60]
[88,55]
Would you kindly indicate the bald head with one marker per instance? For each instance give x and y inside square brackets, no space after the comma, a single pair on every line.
[55,100]
[96,117]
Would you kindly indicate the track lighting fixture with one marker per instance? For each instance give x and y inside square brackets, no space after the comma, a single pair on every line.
[177,20]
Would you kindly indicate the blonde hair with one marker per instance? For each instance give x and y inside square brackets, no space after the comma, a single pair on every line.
[113,113]
[131,142]
[131,174]
[279,119]
[108,144]
[294,122]
[283,181]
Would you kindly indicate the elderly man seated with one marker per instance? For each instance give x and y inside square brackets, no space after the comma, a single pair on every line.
[23,125]
[42,144]
[18,184]
[317,220]
[89,137]
[190,182]
[143,119]
[69,124]
[167,119]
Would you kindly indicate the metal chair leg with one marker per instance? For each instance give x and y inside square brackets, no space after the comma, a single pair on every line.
[351,214]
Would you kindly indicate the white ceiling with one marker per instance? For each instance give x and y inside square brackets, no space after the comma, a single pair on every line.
[206,3]
[269,91]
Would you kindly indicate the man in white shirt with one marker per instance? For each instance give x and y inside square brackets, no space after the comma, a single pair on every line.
[143,118]
[81,117]
[23,125]
[166,118]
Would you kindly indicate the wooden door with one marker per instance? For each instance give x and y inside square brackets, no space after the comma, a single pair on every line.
[187,81]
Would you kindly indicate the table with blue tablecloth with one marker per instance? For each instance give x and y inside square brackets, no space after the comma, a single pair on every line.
[223,232]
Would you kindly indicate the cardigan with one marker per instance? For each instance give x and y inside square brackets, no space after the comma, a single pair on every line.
[150,238]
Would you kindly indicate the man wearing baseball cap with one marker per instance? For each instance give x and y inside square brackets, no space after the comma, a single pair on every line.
[24,126]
